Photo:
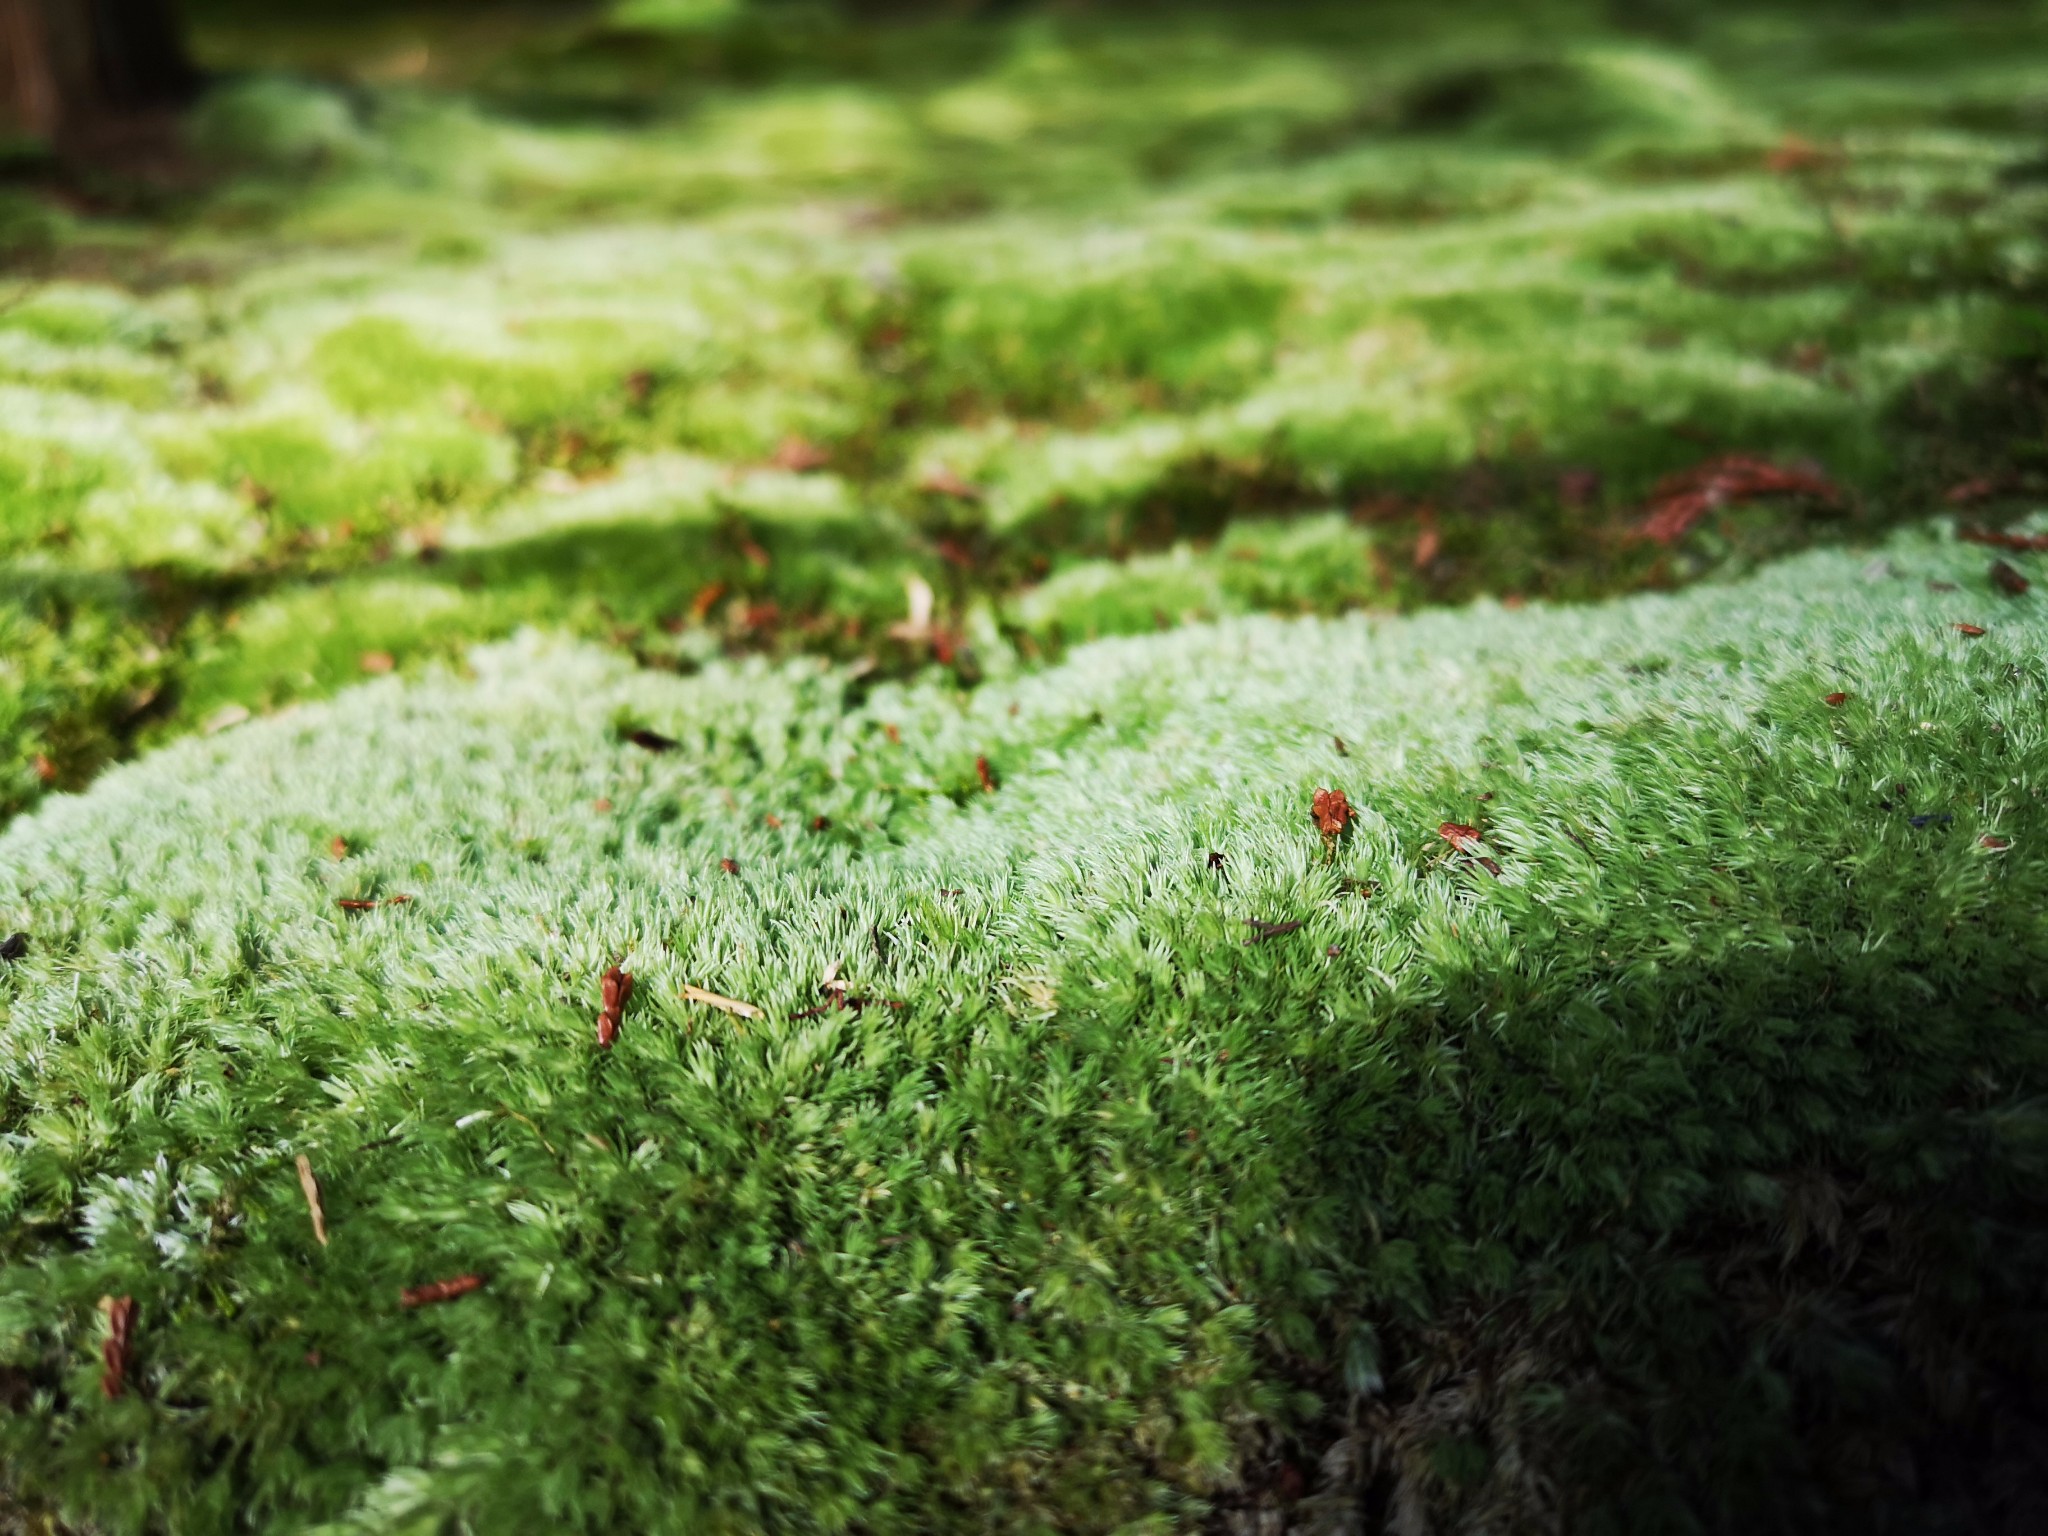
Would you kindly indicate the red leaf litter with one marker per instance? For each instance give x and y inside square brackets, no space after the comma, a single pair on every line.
[1971,630]
[120,1340]
[1686,497]
[439,1290]
[1332,813]
[2036,543]
[986,774]
[617,989]
[1466,840]
[1835,700]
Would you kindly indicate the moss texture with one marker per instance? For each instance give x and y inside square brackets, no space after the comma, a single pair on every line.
[1686,1171]
[767,451]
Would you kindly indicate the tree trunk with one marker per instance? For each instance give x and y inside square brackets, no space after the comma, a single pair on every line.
[72,68]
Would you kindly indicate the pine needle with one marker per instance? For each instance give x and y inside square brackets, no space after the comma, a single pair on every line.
[714,1000]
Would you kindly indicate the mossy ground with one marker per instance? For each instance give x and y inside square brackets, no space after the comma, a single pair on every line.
[673,330]
[1686,1175]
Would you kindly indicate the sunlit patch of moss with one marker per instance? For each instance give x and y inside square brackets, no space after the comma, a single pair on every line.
[303,473]
[1312,564]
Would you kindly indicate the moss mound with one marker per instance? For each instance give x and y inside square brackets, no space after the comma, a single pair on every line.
[1160,1154]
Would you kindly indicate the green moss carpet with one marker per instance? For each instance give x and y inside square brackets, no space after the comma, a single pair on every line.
[882,535]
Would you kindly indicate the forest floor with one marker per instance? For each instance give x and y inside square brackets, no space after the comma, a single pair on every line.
[542,496]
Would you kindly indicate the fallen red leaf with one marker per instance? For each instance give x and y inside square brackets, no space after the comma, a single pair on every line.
[378,662]
[1962,494]
[2008,580]
[1685,498]
[1835,700]
[114,1353]
[356,904]
[339,847]
[895,736]
[821,823]
[45,769]
[439,1290]
[984,773]
[1994,842]
[652,741]
[1972,630]
[2035,543]
[397,901]
[730,866]
[615,990]
[1332,813]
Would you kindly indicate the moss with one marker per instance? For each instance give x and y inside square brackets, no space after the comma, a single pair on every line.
[1704,1134]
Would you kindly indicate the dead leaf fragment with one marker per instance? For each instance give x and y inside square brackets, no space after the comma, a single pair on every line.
[1794,155]
[615,990]
[377,663]
[1683,499]
[439,1290]
[1428,544]
[1332,813]
[800,456]
[311,1186]
[1835,700]
[987,776]
[2008,580]
[1262,931]
[1971,630]
[2026,543]
[920,603]
[651,741]
[1467,841]
[115,1353]
[1994,842]
[13,947]
[730,866]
